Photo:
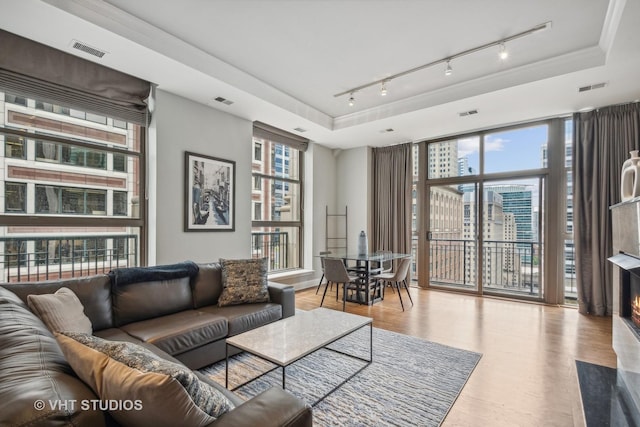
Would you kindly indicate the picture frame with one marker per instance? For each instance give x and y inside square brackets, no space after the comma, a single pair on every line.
[209,202]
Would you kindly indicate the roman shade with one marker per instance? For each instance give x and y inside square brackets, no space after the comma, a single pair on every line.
[279,136]
[35,70]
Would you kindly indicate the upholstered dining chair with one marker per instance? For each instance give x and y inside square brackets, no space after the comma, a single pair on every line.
[397,279]
[322,257]
[336,272]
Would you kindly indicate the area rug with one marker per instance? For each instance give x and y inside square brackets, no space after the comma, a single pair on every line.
[602,402]
[411,382]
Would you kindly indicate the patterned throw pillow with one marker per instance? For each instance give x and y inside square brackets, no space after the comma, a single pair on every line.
[121,370]
[244,281]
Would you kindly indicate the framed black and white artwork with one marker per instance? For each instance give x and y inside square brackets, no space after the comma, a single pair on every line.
[209,193]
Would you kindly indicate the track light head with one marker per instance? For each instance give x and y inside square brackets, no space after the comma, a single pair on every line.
[383,89]
[503,54]
[448,71]
[352,100]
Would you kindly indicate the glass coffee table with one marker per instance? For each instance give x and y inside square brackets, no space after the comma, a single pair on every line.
[288,340]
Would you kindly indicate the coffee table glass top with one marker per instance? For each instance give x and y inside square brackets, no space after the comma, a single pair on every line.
[292,338]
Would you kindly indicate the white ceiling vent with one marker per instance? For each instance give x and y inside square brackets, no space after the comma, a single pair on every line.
[468,113]
[87,49]
[591,87]
[387,130]
[223,100]
[299,129]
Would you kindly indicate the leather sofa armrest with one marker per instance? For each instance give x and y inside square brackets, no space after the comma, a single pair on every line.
[271,408]
[285,295]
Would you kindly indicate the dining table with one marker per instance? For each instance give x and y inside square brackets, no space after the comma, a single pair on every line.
[365,266]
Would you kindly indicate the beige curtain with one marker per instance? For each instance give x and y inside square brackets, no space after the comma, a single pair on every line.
[602,142]
[392,183]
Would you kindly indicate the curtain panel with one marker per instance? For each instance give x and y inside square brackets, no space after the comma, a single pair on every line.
[602,140]
[392,183]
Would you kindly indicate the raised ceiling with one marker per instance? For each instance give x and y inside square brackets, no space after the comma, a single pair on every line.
[282,62]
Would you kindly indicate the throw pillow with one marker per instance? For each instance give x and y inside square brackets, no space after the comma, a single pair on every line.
[244,281]
[61,311]
[150,390]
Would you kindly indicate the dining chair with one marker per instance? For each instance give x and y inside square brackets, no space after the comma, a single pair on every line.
[336,272]
[397,279]
[323,254]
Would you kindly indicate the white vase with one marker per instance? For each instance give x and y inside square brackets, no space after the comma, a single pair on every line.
[630,177]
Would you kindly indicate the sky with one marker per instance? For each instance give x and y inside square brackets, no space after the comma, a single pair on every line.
[514,150]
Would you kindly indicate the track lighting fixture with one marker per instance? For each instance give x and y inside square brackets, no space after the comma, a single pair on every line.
[448,70]
[503,52]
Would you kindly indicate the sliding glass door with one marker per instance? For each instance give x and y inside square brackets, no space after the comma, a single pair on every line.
[486,210]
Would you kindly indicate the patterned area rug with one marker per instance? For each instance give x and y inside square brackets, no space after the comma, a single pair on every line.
[411,382]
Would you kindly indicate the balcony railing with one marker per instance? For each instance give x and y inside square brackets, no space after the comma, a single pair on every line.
[511,266]
[272,245]
[57,257]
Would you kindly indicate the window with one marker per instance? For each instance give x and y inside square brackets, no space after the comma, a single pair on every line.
[119,162]
[120,203]
[257,151]
[14,147]
[257,211]
[68,169]
[277,198]
[14,197]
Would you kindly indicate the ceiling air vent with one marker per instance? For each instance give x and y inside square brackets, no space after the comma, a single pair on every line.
[299,129]
[223,100]
[387,130]
[592,87]
[468,113]
[87,49]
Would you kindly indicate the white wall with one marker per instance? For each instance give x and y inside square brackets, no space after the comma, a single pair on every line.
[320,171]
[353,190]
[184,125]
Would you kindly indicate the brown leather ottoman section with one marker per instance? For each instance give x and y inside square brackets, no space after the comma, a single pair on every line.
[179,332]
[245,317]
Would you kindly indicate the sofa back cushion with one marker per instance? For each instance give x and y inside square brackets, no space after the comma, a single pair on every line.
[145,300]
[34,373]
[207,285]
[94,292]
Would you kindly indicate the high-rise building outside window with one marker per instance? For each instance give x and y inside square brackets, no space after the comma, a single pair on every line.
[69,201]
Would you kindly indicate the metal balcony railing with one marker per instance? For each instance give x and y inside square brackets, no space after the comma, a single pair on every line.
[272,245]
[506,265]
[57,257]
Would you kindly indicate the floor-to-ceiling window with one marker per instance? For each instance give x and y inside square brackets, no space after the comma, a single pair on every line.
[276,197]
[70,190]
[486,210]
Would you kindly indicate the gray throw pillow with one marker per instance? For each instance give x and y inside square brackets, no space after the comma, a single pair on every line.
[244,281]
[61,311]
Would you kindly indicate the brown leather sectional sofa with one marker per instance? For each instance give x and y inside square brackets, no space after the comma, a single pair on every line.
[177,318]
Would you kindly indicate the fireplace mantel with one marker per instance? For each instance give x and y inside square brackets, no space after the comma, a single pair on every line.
[626,340]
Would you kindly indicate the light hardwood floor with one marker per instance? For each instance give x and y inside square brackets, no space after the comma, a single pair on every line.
[527,374]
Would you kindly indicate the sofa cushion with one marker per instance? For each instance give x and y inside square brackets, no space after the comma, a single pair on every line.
[161,393]
[94,292]
[244,281]
[33,371]
[179,332]
[242,318]
[206,286]
[60,311]
[147,300]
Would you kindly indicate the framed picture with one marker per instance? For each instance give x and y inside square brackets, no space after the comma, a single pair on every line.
[209,193]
